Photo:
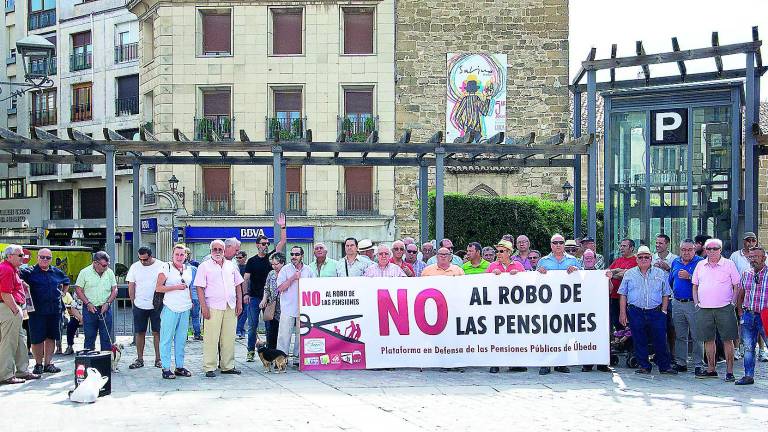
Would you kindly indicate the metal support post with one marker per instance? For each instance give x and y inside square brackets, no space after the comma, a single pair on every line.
[277,183]
[109,155]
[439,193]
[577,167]
[136,242]
[592,156]
[424,203]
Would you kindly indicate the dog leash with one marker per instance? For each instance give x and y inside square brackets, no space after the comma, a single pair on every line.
[106,328]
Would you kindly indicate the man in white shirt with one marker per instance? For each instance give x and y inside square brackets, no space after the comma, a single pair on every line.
[663,257]
[142,280]
[288,286]
[741,256]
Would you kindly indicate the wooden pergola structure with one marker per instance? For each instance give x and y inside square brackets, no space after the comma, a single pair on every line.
[756,142]
[44,147]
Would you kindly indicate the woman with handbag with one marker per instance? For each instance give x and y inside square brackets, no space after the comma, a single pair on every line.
[173,283]
[271,301]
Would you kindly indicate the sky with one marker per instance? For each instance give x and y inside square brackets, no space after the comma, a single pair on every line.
[600,23]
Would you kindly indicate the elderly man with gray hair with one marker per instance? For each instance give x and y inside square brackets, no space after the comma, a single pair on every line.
[322,266]
[219,288]
[14,361]
[383,267]
[715,283]
[96,286]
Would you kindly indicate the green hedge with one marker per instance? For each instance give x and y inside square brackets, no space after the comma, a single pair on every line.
[486,219]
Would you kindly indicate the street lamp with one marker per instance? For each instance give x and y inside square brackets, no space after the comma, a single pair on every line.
[173,182]
[37,55]
[567,188]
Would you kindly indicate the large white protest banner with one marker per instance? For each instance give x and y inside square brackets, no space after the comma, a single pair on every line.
[527,319]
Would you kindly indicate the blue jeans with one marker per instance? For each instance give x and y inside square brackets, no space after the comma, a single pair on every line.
[654,322]
[173,330]
[194,314]
[240,329]
[93,325]
[751,329]
[253,311]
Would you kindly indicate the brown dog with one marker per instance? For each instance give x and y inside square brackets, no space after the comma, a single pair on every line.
[272,358]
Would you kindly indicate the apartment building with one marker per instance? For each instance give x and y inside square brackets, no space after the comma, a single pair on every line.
[95,86]
[272,69]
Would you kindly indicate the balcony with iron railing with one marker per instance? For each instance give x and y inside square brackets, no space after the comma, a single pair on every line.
[127,52]
[82,112]
[43,67]
[295,203]
[209,204]
[150,198]
[41,19]
[80,61]
[82,168]
[357,204]
[126,106]
[286,129]
[214,128]
[43,117]
[42,169]
[357,127]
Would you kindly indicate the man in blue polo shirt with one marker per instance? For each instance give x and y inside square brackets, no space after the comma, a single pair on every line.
[557,260]
[683,316]
[46,285]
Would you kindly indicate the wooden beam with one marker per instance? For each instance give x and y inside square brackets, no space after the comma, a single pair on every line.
[718,59]
[244,138]
[110,135]
[681,64]
[641,52]
[667,80]
[580,74]
[146,135]
[758,56]
[42,135]
[613,70]
[555,139]
[671,57]
[265,160]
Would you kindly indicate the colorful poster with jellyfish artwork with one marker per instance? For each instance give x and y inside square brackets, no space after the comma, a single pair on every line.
[477,95]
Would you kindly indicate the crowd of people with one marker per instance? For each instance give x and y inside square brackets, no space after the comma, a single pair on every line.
[697,299]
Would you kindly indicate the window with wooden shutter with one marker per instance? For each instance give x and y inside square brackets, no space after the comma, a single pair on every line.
[358,30]
[286,31]
[217,31]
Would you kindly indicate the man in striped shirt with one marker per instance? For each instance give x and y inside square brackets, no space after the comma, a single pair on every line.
[383,267]
[750,301]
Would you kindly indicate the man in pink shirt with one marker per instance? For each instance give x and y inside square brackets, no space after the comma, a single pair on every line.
[715,280]
[384,267]
[219,288]
[504,262]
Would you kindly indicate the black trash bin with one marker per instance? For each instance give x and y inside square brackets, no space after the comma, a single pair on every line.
[99,360]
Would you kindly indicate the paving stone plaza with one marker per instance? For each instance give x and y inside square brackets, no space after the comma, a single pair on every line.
[397,400]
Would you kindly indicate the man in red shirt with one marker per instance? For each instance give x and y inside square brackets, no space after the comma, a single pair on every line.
[13,340]
[398,250]
[616,271]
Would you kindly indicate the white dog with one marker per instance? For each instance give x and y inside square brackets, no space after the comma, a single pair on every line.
[88,390]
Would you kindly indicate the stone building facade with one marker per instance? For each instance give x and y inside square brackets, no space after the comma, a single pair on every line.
[305,78]
[534,36]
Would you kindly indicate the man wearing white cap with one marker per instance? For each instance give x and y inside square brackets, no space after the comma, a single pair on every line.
[644,304]
[367,250]
[741,256]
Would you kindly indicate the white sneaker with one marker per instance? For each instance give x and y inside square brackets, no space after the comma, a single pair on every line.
[763,355]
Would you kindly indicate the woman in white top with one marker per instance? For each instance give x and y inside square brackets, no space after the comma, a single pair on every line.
[173,281]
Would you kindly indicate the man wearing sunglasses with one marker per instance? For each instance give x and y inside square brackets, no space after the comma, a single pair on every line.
[219,288]
[645,292]
[13,343]
[557,260]
[412,258]
[46,286]
[96,286]
[715,281]
[288,286]
[257,269]
[448,244]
